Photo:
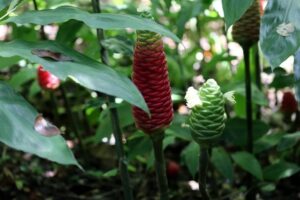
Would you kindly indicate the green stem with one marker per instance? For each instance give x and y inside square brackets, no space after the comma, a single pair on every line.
[257,78]
[42,30]
[123,164]
[54,105]
[70,114]
[248,100]
[203,165]
[251,194]
[160,165]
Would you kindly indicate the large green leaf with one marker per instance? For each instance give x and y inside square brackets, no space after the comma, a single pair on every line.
[236,131]
[280,170]
[190,156]
[82,69]
[222,162]
[234,9]
[17,129]
[93,20]
[275,47]
[6,62]
[288,141]
[297,75]
[249,163]
[4,3]
[267,141]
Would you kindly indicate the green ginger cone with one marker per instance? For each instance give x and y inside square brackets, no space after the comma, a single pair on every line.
[207,118]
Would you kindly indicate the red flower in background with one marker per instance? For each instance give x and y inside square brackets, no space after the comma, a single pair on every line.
[150,75]
[289,104]
[173,169]
[47,80]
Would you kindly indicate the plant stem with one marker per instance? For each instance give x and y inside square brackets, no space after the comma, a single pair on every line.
[72,116]
[248,100]
[251,194]
[160,165]
[42,30]
[257,78]
[203,165]
[123,164]
[54,105]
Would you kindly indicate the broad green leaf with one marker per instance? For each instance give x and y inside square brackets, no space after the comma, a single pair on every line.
[93,20]
[105,128]
[82,69]
[258,96]
[7,7]
[21,77]
[282,81]
[17,130]
[249,163]
[4,3]
[266,142]
[189,9]
[222,162]
[190,157]
[64,35]
[288,141]
[236,131]
[7,62]
[275,47]
[138,145]
[280,170]
[234,9]
[297,75]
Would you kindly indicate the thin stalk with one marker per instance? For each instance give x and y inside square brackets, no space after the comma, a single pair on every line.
[181,68]
[248,100]
[123,164]
[257,78]
[251,194]
[160,165]
[54,105]
[203,165]
[42,30]
[74,121]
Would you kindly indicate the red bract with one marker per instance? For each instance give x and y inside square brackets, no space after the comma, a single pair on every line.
[150,75]
[173,169]
[289,103]
[47,80]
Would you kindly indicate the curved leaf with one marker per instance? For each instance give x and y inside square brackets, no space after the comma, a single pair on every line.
[84,70]
[93,20]
[249,163]
[222,162]
[234,9]
[17,129]
[280,170]
[297,75]
[275,47]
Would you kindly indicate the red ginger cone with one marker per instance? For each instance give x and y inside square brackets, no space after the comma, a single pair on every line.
[289,104]
[150,75]
[47,80]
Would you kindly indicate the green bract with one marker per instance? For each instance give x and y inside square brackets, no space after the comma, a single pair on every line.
[207,120]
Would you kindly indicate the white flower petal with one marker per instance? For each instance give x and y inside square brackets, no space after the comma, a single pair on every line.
[192,98]
[229,96]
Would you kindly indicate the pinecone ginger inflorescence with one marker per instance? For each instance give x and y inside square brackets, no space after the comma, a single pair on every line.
[150,75]
[207,118]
